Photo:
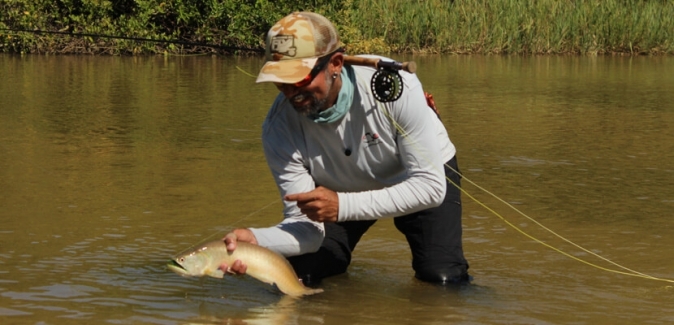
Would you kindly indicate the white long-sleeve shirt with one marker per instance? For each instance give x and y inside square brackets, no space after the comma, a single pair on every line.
[382,159]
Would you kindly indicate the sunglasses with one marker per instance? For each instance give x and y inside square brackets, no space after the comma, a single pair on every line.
[318,67]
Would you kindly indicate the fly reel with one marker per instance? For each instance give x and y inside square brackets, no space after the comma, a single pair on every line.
[386,85]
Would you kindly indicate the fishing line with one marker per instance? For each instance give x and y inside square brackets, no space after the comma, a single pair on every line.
[628,272]
[253,213]
[7,149]
[245,72]
[230,225]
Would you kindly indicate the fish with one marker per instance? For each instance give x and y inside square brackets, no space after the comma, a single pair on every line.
[262,264]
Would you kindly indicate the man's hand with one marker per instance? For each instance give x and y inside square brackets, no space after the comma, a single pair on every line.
[244,235]
[320,205]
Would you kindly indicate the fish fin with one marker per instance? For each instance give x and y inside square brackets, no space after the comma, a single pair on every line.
[216,274]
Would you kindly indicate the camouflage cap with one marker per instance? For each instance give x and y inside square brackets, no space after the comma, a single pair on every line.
[294,44]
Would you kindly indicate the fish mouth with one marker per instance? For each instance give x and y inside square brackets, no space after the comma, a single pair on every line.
[174,266]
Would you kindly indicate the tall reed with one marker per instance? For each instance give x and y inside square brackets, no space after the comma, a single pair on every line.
[524,26]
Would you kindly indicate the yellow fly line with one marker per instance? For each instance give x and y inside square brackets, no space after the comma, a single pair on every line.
[627,271]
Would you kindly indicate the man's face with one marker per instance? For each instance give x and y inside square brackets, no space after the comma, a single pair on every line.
[311,95]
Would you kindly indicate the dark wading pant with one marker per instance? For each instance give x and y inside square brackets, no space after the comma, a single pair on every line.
[434,236]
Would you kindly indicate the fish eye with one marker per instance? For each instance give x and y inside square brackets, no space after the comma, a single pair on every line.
[182,259]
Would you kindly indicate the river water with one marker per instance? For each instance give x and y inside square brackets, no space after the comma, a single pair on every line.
[109,165]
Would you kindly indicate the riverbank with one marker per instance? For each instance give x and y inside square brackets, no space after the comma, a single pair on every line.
[366,26]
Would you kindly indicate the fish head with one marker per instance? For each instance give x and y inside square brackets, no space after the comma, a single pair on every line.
[195,263]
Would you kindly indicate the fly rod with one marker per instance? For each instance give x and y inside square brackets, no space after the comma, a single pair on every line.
[410,67]
[386,81]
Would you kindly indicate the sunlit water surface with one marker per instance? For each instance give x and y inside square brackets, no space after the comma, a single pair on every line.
[110,165]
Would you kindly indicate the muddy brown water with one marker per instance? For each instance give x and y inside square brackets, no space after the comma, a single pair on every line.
[109,165]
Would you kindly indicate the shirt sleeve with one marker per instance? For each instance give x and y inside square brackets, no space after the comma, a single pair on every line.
[419,141]
[293,236]
[296,234]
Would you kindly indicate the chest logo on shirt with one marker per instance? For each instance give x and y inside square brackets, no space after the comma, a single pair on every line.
[371,139]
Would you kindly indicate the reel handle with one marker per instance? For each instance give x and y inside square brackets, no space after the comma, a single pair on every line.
[408,66]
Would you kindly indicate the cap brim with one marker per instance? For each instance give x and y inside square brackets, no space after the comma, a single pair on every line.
[286,71]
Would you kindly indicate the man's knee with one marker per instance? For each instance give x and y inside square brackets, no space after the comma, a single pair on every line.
[334,256]
[443,274]
[313,267]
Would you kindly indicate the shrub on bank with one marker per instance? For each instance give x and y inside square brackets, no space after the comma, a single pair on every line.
[228,23]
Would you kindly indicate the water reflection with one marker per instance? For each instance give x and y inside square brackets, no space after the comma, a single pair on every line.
[109,165]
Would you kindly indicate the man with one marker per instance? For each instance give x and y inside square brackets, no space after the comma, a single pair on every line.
[342,160]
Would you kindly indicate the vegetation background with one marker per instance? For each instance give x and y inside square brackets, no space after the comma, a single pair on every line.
[366,26]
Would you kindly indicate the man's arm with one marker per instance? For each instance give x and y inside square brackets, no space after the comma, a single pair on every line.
[422,154]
